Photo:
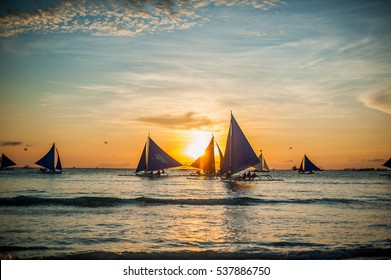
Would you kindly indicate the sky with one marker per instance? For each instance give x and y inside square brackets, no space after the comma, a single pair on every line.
[96,77]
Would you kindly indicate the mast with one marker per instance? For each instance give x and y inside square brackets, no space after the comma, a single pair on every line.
[230,145]
[147,152]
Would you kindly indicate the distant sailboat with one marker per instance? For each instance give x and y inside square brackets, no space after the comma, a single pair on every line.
[307,166]
[262,165]
[238,152]
[206,162]
[387,163]
[49,162]
[6,162]
[153,158]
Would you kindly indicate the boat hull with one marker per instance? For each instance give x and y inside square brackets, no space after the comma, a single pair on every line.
[149,175]
[47,171]
[263,177]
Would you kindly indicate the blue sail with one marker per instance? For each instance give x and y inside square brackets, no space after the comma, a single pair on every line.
[387,163]
[142,164]
[307,165]
[154,158]
[239,154]
[6,162]
[47,160]
[58,165]
[159,159]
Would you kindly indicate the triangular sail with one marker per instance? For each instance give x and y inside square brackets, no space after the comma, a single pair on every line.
[221,156]
[307,165]
[6,162]
[262,165]
[47,160]
[142,164]
[238,152]
[387,163]
[159,159]
[265,166]
[206,162]
[301,168]
[58,165]
[154,158]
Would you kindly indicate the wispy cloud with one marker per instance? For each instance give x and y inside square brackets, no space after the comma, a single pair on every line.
[188,120]
[118,17]
[378,99]
[376,160]
[264,34]
[11,143]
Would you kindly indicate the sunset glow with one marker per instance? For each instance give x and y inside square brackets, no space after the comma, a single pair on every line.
[96,77]
[197,147]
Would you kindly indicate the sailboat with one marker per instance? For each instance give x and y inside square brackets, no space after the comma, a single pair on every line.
[153,158]
[307,166]
[206,162]
[50,163]
[262,165]
[387,163]
[263,169]
[6,163]
[239,154]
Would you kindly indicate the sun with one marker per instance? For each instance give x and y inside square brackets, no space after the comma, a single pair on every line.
[200,141]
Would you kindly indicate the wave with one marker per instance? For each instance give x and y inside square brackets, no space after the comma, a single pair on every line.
[96,201]
[328,254]
[22,248]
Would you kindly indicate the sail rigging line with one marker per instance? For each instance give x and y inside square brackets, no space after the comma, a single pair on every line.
[147,152]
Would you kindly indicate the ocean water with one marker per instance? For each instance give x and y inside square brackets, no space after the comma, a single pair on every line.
[102,214]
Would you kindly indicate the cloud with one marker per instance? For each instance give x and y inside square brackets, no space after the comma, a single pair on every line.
[11,143]
[188,120]
[255,34]
[117,17]
[264,34]
[376,160]
[378,99]
[114,165]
